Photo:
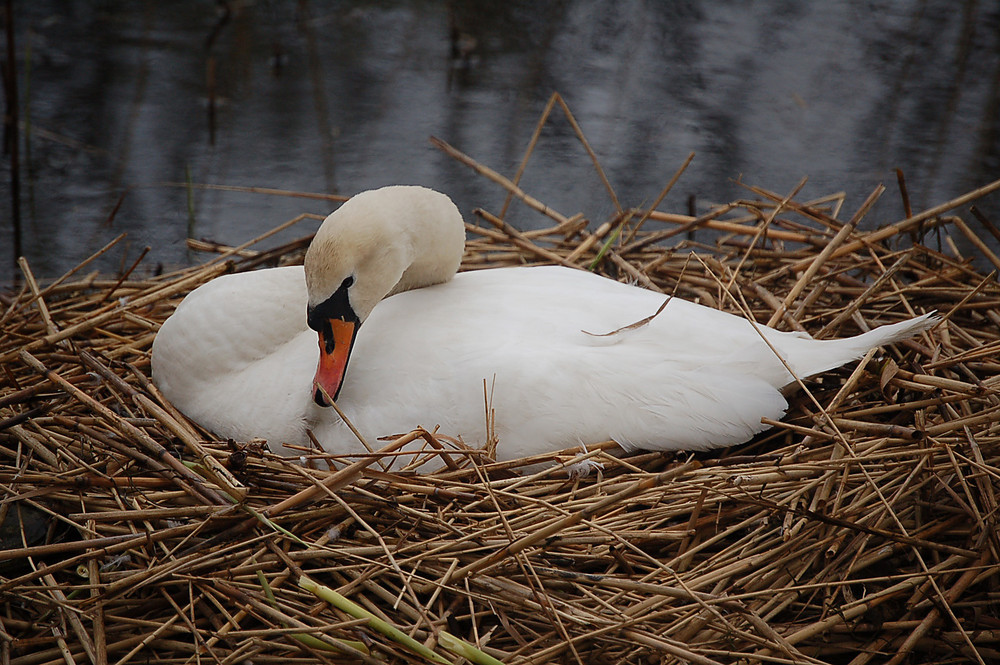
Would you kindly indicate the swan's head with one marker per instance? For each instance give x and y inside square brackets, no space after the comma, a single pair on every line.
[378,243]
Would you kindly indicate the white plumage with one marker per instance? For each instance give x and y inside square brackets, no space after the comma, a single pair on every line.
[238,358]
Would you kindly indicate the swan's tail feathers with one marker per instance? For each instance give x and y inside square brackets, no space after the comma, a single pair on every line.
[822,355]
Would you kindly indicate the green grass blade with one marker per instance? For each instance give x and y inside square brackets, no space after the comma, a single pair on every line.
[460,647]
[306,638]
[605,247]
[350,607]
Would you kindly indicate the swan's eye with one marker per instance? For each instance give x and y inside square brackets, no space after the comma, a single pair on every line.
[337,306]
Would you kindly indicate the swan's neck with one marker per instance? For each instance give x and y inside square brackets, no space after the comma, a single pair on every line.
[427,268]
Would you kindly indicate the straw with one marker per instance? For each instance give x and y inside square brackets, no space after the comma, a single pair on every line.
[860,528]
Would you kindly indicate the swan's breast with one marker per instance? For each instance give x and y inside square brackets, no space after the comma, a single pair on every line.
[236,353]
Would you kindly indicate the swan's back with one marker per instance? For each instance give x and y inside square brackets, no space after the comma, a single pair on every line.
[536,338]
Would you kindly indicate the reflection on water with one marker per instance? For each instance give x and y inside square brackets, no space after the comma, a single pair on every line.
[117,98]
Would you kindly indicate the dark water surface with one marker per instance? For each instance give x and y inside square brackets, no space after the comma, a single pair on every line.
[342,96]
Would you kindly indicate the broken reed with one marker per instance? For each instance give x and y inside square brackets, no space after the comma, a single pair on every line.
[860,529]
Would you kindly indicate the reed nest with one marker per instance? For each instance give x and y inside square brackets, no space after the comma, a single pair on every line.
[862,528]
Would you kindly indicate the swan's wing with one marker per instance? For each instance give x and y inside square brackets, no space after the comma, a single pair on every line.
[516,339]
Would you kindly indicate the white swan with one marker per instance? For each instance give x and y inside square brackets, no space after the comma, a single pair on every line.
[237,355]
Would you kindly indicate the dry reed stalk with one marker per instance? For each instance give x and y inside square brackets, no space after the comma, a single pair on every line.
[863,525]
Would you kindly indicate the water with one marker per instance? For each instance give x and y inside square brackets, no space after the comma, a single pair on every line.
[342,96]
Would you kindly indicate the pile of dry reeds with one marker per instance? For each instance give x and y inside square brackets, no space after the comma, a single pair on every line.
[861,529]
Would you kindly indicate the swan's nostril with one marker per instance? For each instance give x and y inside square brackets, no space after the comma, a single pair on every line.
[319,398]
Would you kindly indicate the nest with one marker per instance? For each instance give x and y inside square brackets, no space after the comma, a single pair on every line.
[860,529]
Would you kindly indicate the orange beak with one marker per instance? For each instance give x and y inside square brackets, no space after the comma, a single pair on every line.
[336,339]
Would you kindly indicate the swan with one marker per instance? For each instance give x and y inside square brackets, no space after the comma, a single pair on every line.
[379,289]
